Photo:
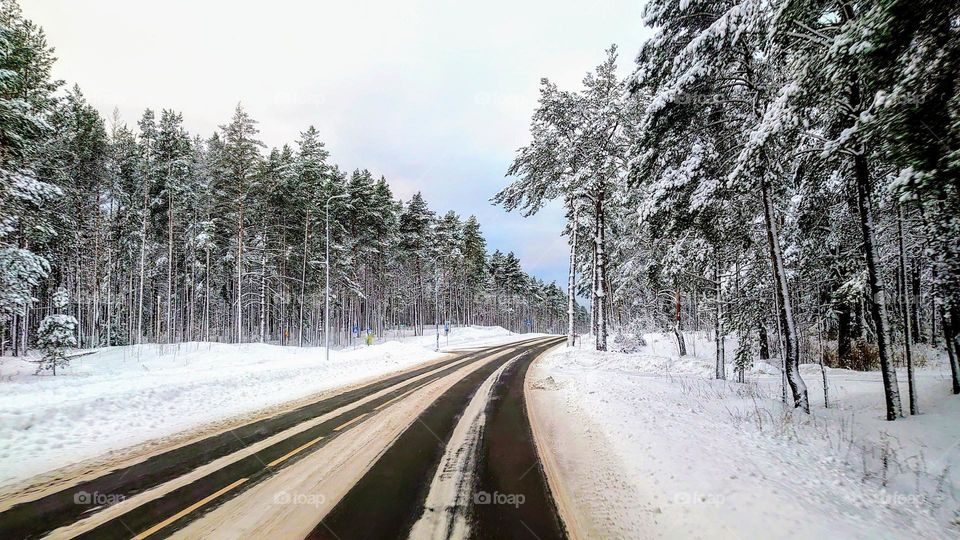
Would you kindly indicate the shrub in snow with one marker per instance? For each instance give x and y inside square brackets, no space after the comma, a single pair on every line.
[57,333]
[630,339]
[864,356]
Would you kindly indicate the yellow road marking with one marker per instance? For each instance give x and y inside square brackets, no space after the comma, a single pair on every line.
[394,400]
[186,511]
[345,424]
[294,451]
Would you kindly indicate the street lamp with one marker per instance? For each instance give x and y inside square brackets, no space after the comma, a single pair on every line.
[326,295]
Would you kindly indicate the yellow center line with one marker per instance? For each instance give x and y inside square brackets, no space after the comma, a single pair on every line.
[294,451]
[345,424]
[394,400]
[186,511]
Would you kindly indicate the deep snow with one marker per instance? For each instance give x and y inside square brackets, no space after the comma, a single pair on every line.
[647,445]
[121,397]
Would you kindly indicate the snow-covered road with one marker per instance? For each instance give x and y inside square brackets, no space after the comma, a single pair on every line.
[433,444]
[123,401]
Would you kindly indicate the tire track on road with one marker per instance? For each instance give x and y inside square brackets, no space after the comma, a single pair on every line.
[391,496]
[37,517]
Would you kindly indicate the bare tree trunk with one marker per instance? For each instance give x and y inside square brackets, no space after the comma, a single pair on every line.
[878,304]
[95,319]
[263,294]
[791,344]
[907,328]
[303,275]
[823,369]
[677,331]
[419,315]
[206,299]
[169,328]
[109,292]
[947,322]
[239,314]
[764,340]
[572,282]
[721,369]
[600,284]
[915,303]
[143,255]
[593,292]
[933,312]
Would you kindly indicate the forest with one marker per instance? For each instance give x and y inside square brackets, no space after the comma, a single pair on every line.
[782,174]
[120,234]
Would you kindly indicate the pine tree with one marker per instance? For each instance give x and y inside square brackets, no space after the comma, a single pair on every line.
[173,155]
[56,334]
[240,160]
[416,239]
[826,65]
[311,171]
[710,66]
[26,220]
[577,153]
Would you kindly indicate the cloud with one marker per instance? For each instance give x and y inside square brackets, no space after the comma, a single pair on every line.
[434,95]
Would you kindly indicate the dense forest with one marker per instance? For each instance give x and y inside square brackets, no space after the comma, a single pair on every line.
[783,174]
[148,233]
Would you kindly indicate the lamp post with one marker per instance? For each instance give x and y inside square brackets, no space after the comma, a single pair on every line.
[326,295]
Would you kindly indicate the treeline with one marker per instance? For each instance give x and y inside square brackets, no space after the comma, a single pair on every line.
[784,173]
[157,235]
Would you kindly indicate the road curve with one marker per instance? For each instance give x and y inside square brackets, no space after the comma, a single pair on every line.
[508,496]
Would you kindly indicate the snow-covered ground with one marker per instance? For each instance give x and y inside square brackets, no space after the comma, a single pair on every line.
[646,445]
[120,397]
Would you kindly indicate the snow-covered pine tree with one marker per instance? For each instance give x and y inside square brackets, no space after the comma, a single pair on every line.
[577,153]
[56,334]
[311,171]
[911,60]
[173,155]
[240,166]
[823,46]
[709,94]
[416,239]
[474,252]
[26,220]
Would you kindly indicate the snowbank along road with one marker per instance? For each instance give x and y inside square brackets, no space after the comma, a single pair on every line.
[444,450]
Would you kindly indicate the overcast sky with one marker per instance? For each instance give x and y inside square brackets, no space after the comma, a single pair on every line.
[434,95]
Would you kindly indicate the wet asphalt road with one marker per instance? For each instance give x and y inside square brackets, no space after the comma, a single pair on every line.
[390,497]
